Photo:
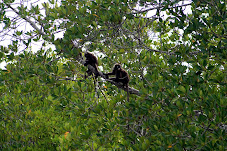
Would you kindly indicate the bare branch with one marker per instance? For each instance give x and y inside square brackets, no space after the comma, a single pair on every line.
[158,7]
[28,20]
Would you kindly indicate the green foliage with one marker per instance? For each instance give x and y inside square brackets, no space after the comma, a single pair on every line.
[46,104]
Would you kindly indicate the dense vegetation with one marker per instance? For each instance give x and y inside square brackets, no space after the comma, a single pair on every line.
[175,54]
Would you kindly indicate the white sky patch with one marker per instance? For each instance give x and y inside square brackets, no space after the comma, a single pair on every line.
[6,37]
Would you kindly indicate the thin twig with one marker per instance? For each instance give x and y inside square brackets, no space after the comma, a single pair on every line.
[28,20]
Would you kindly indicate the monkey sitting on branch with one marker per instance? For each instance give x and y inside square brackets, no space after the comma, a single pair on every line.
[120,76]
[93,61]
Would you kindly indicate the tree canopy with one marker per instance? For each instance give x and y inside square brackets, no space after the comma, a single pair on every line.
[175,54]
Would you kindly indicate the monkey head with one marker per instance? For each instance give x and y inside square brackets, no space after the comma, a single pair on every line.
[117,67]
[87,54]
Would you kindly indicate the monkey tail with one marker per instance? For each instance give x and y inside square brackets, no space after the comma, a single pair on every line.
[95,85]
[127,92]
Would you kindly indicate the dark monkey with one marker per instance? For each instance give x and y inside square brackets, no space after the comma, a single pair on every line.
[120,76]
[93,61]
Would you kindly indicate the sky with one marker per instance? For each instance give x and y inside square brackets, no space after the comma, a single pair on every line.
[21,26]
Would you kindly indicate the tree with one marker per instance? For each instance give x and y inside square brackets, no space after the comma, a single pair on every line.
[175,59]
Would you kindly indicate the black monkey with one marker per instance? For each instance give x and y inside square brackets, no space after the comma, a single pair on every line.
[120,76]
[93,61]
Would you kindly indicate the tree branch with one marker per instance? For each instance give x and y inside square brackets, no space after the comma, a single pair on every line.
[28,20]
[158,7]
